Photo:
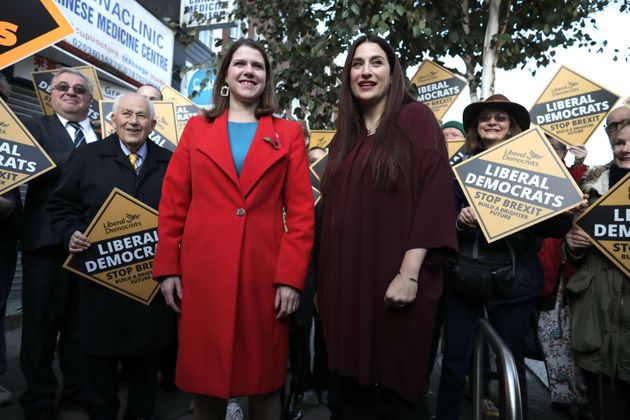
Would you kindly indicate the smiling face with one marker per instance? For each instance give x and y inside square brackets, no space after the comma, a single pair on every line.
[370,75]
[70,104]
[621,148]
[246,76]
[493,126]
[132,121]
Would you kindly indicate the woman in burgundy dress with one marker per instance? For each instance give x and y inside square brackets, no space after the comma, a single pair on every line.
[388,224]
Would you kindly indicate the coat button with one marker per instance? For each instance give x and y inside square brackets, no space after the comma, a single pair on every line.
[240,212]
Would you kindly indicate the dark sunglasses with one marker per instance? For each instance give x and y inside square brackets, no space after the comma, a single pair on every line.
[498,117]
[64,87]
[611,127]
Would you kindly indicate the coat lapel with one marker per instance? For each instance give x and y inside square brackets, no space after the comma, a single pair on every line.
[216,146]
[261,155]
[150,163]
[60,131]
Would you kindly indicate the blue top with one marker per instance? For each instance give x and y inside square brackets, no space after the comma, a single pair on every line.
[241,135]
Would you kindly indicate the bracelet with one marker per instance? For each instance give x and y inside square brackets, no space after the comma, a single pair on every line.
[410,278]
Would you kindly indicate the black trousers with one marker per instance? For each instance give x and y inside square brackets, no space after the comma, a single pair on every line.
[50,310]
[101,385]
[609,400]
[349,400]
[460,315]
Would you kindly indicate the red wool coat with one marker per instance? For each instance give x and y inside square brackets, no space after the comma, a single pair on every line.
[234,252]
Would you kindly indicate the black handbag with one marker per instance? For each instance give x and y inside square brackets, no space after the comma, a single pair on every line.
[481,274]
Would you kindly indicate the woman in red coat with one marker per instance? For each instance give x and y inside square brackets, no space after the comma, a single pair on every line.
[229,263]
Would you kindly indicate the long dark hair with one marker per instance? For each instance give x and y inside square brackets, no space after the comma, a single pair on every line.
[388,153]
[266,105]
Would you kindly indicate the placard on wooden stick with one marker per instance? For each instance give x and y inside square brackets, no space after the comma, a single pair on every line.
[21,157]
[123,237]
[455,148]
[165,133]
[438,87]
[184,107]
[316,171]
[321,138]
[572,107]
[29,26]
[516,184]
[607,223]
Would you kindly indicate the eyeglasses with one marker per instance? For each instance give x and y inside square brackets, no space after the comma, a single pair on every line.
[498,117]
[64,87]
[611,127]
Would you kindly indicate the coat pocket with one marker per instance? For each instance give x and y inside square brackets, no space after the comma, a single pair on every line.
[586,323]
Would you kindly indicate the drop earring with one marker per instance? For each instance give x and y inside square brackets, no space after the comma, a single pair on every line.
[225,91]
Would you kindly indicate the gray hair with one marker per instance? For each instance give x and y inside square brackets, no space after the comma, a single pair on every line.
[70,70]
[150,106]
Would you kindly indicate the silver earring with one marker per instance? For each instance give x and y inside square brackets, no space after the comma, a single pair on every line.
[225,91]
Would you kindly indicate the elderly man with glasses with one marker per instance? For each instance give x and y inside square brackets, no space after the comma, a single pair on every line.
[49,292]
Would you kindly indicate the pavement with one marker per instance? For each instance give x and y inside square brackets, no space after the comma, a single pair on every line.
[176,405]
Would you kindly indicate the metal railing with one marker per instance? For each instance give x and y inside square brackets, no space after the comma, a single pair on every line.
[507,369]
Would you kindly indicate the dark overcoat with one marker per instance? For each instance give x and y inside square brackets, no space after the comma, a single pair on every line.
[111,323]
[37,230]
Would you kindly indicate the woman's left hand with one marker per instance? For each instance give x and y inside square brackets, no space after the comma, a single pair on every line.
[287,301]
[401,291]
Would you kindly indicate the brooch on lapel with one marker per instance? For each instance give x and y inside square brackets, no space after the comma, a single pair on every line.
[274,142]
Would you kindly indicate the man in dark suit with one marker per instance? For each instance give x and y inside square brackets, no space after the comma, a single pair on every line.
[49,295]
[113,327]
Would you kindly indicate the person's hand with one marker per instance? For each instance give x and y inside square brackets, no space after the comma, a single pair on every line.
[577,239]
[579,207]
[401,291]
[287,301]
[467,217]
[171,288]
[78,243]
[580,152]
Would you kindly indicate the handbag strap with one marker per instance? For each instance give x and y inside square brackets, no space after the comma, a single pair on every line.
[475,251]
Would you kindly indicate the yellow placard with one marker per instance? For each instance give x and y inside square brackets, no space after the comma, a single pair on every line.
[321,138]
[29,26]
[607,223]
[184,107]
[165,133]
[438,88]
[316,170]
[42,82]
[571,107]
[21,157]
[123,237]
[455,148]
[517,184]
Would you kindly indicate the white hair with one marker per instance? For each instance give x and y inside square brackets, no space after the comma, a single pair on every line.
[150,106]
